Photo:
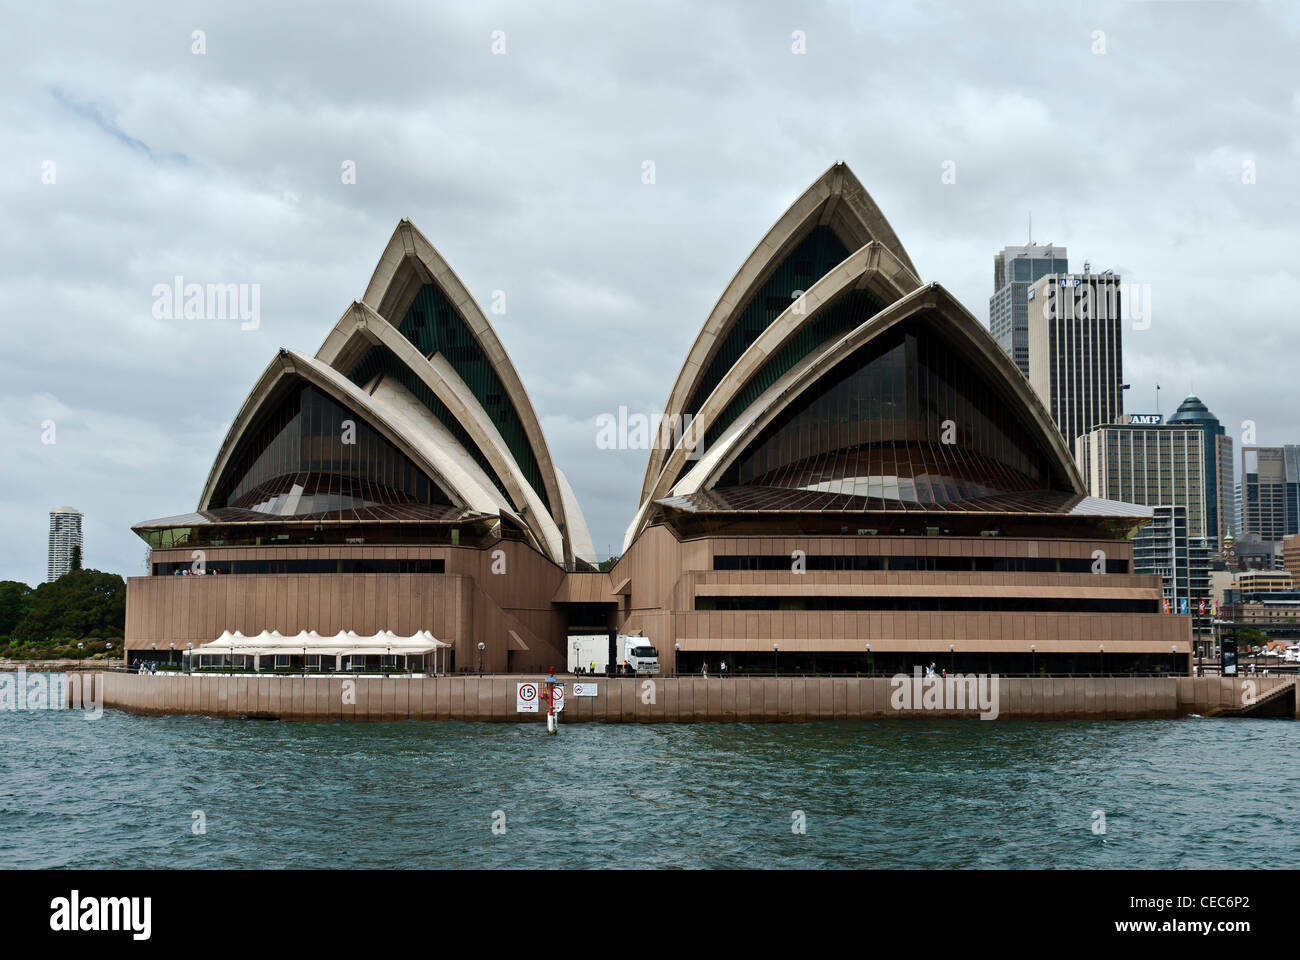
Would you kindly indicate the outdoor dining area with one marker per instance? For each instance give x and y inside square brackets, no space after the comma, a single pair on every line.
[308,652]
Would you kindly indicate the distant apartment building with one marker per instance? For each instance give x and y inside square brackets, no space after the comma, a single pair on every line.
[1291,553]
[1250,552]
[1153,464]
[1076,350]
[1160,466]
[1276,613]
[1166,548]
[1263,492]
[1014,270]
[1263,581]
[65,537]
[1270,491]
[1219,507]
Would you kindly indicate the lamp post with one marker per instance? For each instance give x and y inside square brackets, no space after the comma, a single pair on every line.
[304,661]
[481,647]
[1033,659]
[388,657]
[1173,650]
[952,658]
[870,666]
[154,648]
[1101,657]
[171,651]
[677,657]
[776,663]
[189,657]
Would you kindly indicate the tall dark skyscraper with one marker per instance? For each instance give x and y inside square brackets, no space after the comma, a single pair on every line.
[1076,356]
[1014,269]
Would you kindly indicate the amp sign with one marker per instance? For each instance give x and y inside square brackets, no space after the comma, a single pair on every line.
[1146,419]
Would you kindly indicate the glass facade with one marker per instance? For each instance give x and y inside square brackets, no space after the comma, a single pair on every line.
[1193,411]
[850,311]
[916,563]
[905,418]
[434,325]
[810,260]
[343,565]
[380,361]
[310,455]
[932,604]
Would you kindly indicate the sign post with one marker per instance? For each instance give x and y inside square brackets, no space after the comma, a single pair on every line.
[1228,655]
[526,698]
[554,695]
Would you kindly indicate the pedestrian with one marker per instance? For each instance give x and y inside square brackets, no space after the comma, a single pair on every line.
[704,670]
[723,668]
[593,666]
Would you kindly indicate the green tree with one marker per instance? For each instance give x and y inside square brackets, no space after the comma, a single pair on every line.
[607,565]
[1250,637]
[81,603]
[14,600]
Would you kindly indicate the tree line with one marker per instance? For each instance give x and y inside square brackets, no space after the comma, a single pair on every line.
[80,605]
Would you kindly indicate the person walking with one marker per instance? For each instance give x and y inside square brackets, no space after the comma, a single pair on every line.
[704,669]
[723,668]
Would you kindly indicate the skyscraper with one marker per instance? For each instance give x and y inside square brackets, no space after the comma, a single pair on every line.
[1075,350]
[1160,466]
[1014,269]
[1218,467]
[1149,464]
[1270,491]
[65,534]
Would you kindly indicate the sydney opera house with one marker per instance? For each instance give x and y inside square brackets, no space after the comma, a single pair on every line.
[867,483]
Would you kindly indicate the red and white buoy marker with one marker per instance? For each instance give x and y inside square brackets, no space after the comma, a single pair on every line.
[552,724]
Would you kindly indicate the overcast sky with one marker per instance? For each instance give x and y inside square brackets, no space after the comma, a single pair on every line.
[525,170]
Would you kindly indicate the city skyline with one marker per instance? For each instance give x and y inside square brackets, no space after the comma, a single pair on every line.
[537,204]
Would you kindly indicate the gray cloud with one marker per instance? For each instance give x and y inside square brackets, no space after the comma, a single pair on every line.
[525,171]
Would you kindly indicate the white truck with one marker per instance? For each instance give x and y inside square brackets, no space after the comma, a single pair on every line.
[589,653]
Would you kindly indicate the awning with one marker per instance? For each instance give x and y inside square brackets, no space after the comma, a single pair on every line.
[341,644]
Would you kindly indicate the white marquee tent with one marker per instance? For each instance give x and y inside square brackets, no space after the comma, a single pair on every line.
[309,644]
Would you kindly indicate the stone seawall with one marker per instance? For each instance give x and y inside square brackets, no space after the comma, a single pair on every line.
[683,699]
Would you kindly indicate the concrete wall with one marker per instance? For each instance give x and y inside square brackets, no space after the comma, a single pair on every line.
[665,575]
[465,604]
[676,699]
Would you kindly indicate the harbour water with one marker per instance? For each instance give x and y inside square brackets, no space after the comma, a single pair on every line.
[127,791]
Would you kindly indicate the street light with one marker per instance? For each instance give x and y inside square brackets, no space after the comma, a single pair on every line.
[154,648]
[952,658]
[1033,659]
[677,657]
[1173,649]
[189,657]
[481,647]
[172,649]
[1101,657]
[870,666]
[776,663]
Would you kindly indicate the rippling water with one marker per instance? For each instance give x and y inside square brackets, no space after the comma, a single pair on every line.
[121,791]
